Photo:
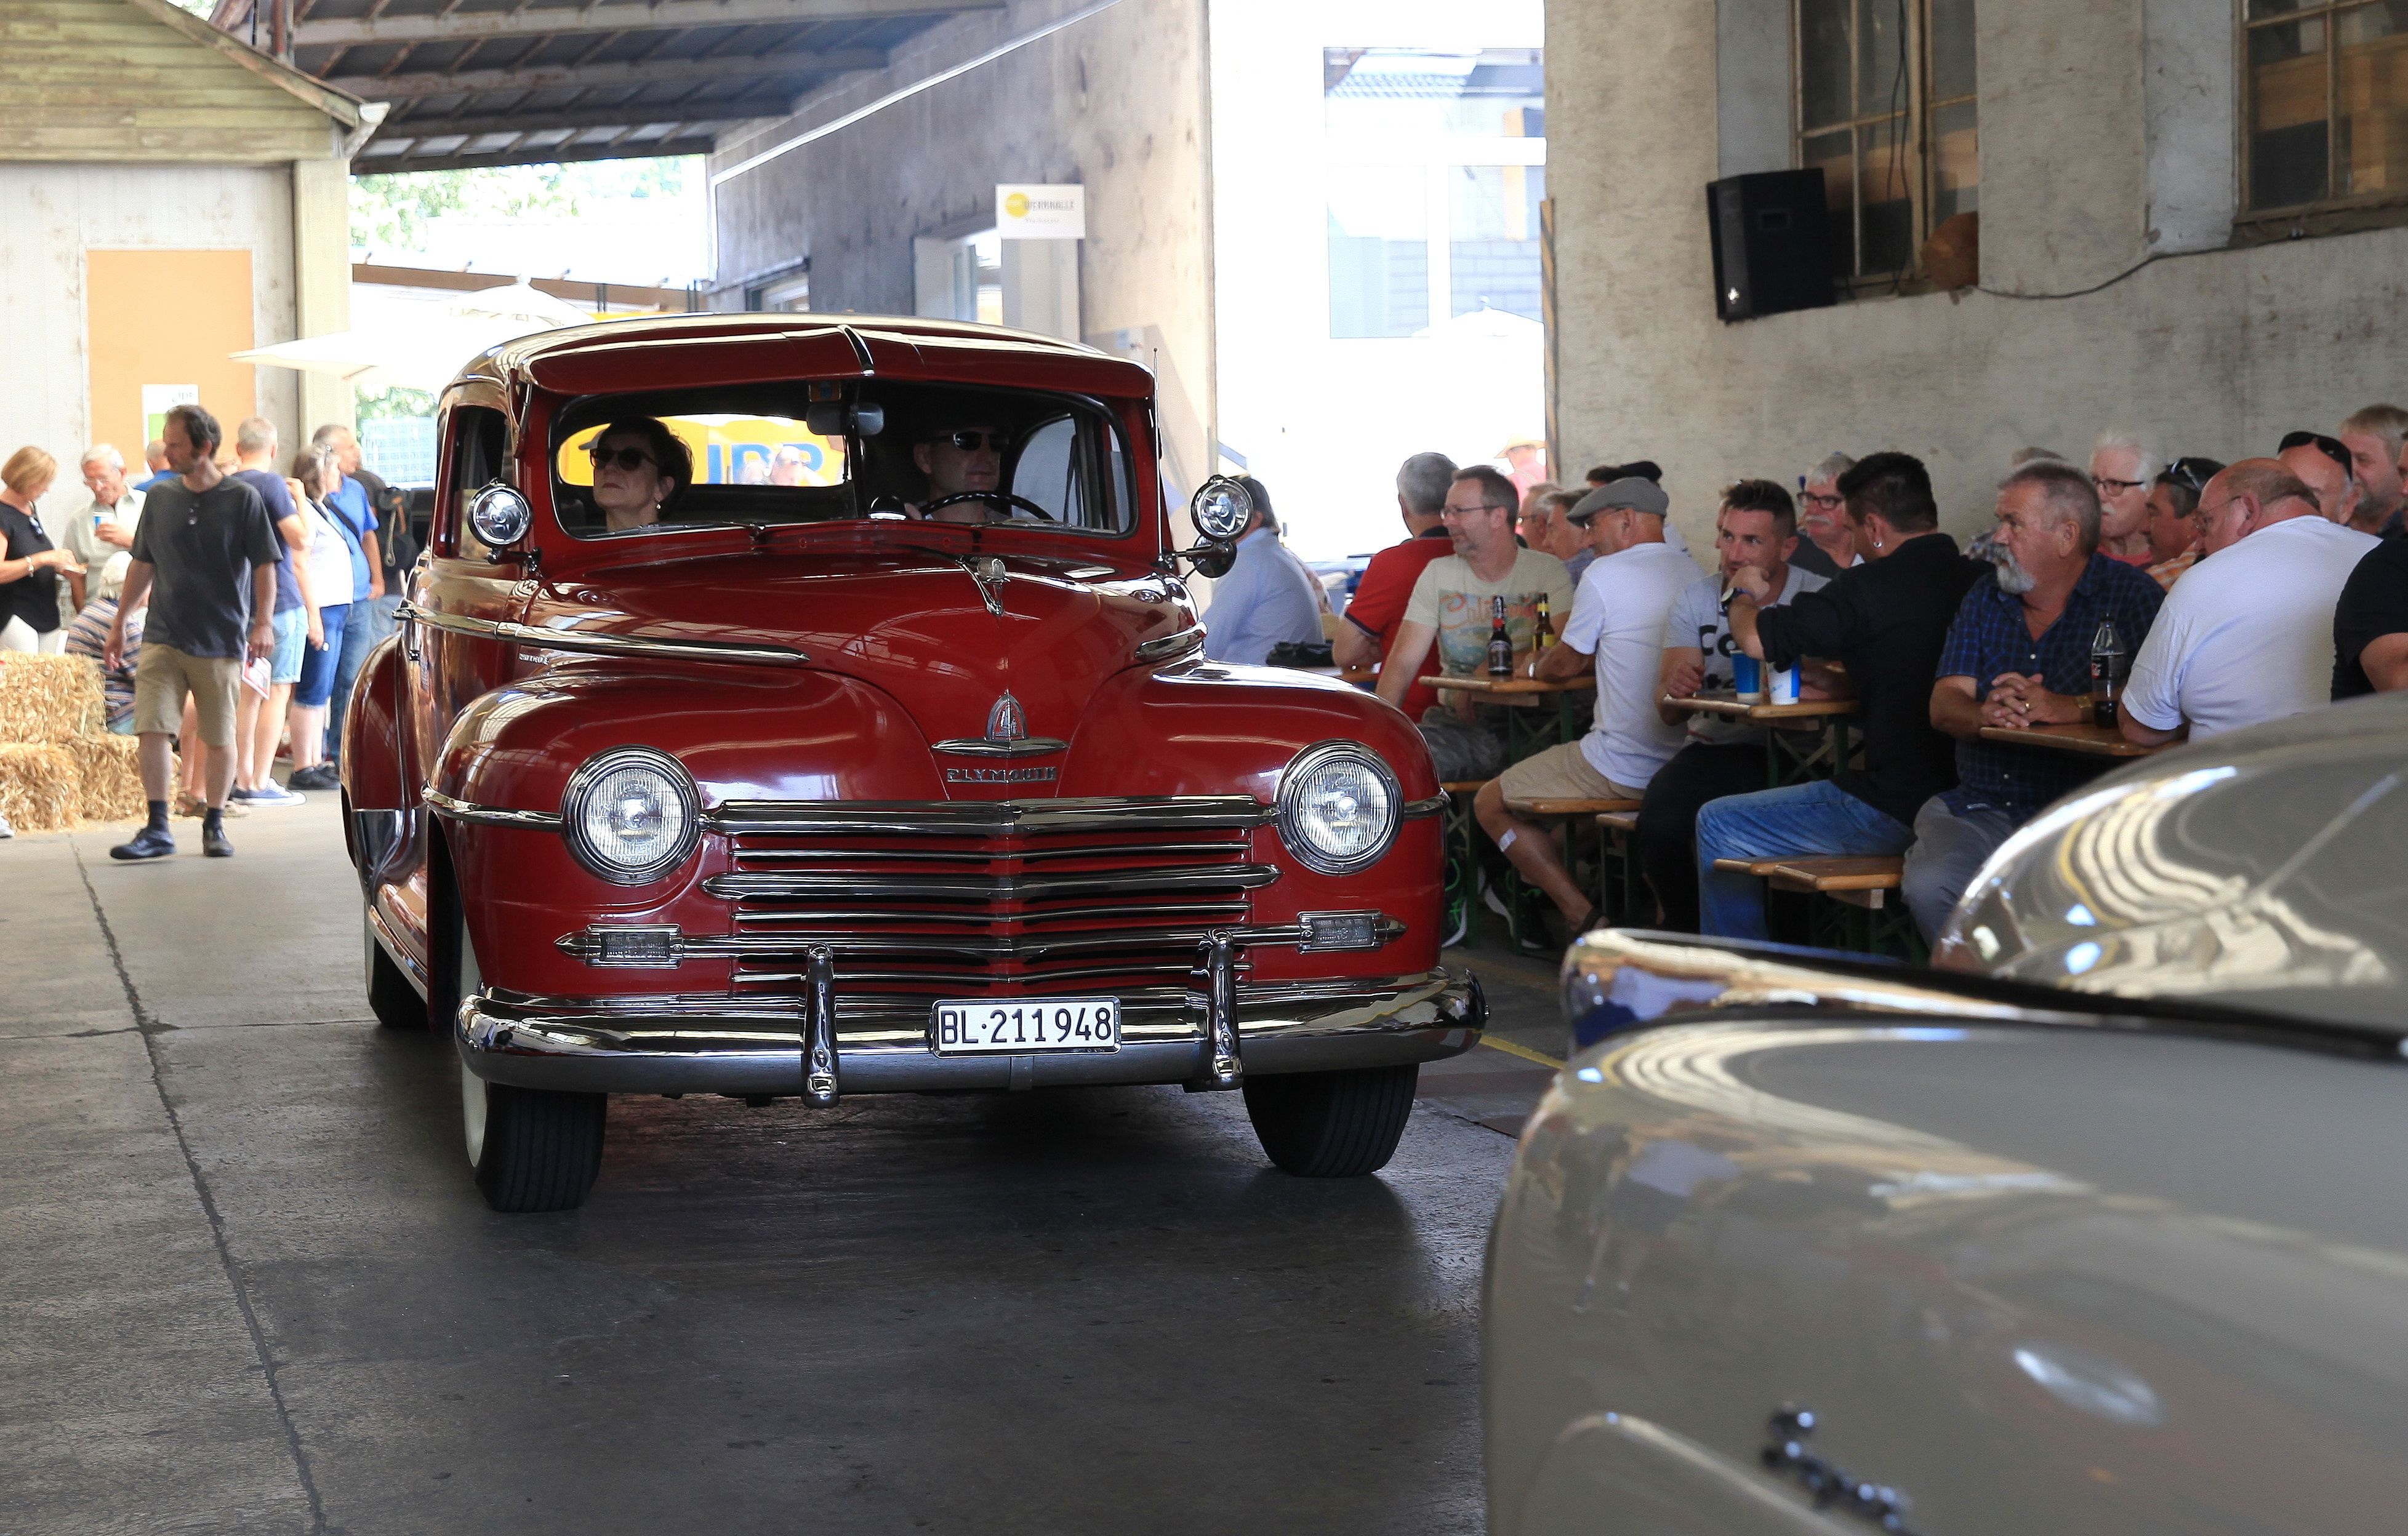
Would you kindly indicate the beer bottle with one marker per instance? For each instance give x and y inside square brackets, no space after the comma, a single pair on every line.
[1500,645]
[1543,636]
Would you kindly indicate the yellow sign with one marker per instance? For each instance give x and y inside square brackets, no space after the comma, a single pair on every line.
[1031,210]
[1016,204]
[731,451]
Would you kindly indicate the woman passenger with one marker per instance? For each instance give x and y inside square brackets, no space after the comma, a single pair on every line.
[29,566]
[640,467]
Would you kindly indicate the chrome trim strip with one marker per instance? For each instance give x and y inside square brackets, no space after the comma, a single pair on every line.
[992,819]
[651,647]
[1190,638]
[585,942]
[743,1045]
[1155,851]
[490,815]
[990,888]
[1433,806]
[979,746]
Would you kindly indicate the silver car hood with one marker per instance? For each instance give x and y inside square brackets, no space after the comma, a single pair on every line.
[2267,867]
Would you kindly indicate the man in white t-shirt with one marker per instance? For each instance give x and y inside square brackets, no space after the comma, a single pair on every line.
[1618,619]
[1454,609]
[1757,527]
[2245,637]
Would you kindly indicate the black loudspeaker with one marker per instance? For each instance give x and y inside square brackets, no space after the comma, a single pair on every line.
[1772,243]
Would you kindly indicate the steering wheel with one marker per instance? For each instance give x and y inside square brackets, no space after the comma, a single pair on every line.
[930,509]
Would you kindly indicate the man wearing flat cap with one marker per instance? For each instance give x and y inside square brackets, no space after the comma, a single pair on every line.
[1616,627]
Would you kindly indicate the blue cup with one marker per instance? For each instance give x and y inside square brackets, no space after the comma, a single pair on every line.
[1747,677]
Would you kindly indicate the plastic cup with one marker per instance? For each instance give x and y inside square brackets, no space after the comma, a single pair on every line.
[1747,678]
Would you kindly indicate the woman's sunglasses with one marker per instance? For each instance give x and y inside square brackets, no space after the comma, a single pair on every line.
[625,458]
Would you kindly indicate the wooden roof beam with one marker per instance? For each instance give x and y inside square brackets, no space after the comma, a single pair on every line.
[350,32]
[412,85]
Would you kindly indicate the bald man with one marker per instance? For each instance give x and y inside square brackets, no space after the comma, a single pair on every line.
[2327,476]
[2247,636]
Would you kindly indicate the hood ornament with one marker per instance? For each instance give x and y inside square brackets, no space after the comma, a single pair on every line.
[1005,722]
[989,575]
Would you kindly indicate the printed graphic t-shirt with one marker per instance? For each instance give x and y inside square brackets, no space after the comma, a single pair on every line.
[1458,605]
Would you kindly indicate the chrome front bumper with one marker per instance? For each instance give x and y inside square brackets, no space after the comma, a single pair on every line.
[754,1046]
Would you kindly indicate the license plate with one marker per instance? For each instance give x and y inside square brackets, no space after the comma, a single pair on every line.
[1027,1025]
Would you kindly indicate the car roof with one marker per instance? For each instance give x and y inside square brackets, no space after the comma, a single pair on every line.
[737,348]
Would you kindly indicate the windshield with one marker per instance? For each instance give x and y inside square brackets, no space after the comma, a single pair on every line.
[825,451]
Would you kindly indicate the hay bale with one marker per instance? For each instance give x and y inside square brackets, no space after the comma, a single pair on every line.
[37,787]
[45,698]
[109,777]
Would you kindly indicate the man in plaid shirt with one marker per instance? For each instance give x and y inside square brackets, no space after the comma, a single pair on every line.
[2018,656]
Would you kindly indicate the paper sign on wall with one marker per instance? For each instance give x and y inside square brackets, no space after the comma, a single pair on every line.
[1029,211]
[158,400]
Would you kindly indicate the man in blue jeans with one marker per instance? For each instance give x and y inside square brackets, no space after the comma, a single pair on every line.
[1887,619]
[351,503]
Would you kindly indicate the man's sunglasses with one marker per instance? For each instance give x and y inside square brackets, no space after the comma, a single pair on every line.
[969,440]
[2329,447]
[625,458]
[2192,475]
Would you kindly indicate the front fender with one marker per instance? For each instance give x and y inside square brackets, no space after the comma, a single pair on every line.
[372,748]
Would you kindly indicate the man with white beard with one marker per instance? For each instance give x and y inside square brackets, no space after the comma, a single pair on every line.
[2019,655]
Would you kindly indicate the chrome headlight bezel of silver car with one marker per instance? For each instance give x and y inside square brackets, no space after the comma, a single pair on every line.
[1302,822]
[673,786]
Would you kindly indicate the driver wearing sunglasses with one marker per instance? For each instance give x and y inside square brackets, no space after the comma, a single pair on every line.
[639,466]
[962,461]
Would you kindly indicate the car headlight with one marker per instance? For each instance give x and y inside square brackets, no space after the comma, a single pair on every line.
[1339,808]
[631,815]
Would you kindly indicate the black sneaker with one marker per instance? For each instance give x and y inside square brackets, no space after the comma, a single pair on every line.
[237,792]
[321,776]
[214,843]
[150,843]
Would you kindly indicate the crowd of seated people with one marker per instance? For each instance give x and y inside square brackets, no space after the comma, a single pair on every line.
[1943,649]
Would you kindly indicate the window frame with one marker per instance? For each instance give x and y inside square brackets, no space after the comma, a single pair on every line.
[2333,213]
[1916,117]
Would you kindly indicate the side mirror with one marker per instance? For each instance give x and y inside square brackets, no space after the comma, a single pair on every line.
[500,516]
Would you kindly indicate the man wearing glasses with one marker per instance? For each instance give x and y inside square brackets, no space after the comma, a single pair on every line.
[2245,639]
[1829,546]
[2121,470]
[960,460]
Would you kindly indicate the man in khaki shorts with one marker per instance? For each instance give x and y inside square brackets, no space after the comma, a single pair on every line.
[204,554]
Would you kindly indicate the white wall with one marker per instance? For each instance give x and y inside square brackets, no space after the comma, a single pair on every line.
[2105,142]
[1323,423]
[55,212]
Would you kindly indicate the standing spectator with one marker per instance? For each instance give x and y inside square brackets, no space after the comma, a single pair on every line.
[1617,620]
[2173,517]
[2375,438]
[349,502]
[1719,756]
[2325,466]
[260,719]
[29,565]
[205,557]
[1451,609]
[2121,471]
[1829,546]
[332,558]
[1377,609]
[2018,656]
[2248,637]
[99,534]
[1887,619]
[1526,463]
[396,550]
[2370,624]
[1266,598]
[154,457]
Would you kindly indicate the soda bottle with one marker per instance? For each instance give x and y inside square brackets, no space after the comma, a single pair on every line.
[1500,645]
[1543,636]
[2110,664]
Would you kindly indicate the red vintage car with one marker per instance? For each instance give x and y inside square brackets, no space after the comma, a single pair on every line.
[794,707]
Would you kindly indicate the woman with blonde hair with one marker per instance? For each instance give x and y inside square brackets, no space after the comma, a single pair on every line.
[29,571]
[328,565]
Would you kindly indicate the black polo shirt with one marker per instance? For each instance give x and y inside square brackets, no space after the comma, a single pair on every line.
[2373,604]
[1886,621]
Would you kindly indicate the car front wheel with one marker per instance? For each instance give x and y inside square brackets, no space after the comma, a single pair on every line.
[395,1004]
[1332,1125]
[532,1149]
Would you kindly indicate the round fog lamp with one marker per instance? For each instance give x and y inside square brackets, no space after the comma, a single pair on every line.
[1339,808]
[631,815]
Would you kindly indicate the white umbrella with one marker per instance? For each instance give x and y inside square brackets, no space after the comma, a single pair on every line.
[427,352]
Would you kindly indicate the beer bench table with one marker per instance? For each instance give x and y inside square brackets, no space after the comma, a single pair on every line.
[2096,741]
[1525,696]
[1784,763]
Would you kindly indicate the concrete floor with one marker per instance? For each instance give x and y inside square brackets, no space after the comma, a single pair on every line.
[250,1284]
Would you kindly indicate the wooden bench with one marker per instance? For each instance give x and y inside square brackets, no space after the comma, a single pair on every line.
[1622,896]
[1868,915]
[1859,882]
[1553,807]
[1760,868]
[1464,786]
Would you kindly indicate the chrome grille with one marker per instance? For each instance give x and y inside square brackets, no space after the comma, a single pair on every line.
[1019,897]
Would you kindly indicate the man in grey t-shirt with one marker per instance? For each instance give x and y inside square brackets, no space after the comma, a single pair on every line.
[1756,526]
[204,554]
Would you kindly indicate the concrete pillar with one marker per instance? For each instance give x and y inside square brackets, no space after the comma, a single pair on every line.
[2190,100]
[322,281]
